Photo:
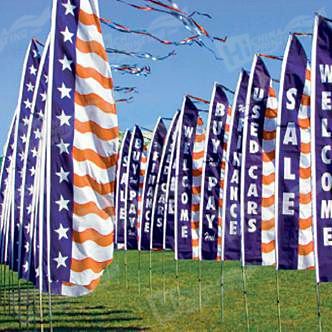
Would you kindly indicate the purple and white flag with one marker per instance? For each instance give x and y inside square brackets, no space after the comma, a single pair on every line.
[169,213]
[121,188]
[184,178]
[24,115]
[26,268]
[212,175]
[255,245]
[132,189]
[150,181]
[159,222]
[231,221]
[294,245]
[321,146]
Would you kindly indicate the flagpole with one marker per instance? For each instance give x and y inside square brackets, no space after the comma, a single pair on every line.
[200,285]
[126,268]
[50,306]
[278,300]
[19,303]
[139,273]
[245,297]
[150,272]
[222,290]
[177,281]
[164,275]
[319,316]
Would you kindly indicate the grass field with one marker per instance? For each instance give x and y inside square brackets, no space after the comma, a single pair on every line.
[113,306]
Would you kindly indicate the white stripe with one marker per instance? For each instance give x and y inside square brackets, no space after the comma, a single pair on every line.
[305,236]
[74,290]
[267,212]
[86,32]
[87,194]
[85,277]
[305,262]
[90,249]
[93,113]
[101,175]
[268,168]
[268,258]
[268,190]
[92,221]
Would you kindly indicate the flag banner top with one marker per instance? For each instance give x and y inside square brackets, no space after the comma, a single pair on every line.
[211,177]
[294,245]
[257,176]
[169,215]
[158,222]
[31,168]
[231,221]
[27,86]
[82,147]
[321,145]
[184,180]
[196,190]
[121,186]
[150,181]
[132,189]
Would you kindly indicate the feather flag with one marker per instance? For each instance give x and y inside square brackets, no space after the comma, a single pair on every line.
[158,222]
[169,214]
[81,158]
[197,166]
[132,189]
[150,181]
[184,181]
[212,175]
[321,107]
[231,221]
[29,178]
[257,196]
[294,245]
[120,211]
[27,86]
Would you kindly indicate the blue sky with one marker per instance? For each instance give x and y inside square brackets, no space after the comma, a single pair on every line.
[251,26]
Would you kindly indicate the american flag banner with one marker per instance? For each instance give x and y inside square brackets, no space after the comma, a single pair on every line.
[184,180]
[82,147]
[121,185]
[256,198]
[158,221]
[26,268]
[211,178]
[169,214]
[5,186]
[321,145]
[294,241]
[150,181]
[27,86]
[133,189]
[197,167]
[231,221]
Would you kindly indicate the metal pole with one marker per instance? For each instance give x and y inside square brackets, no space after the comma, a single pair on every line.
[177,280]
[19,303]
[244,281]
[319,316]
[126,268]
[200,285]
[41,310]
[139,272]
[150,271]
[50,306]
[278,300]
[222,290]
[164,275]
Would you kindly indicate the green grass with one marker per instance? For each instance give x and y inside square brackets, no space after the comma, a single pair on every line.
[113,306]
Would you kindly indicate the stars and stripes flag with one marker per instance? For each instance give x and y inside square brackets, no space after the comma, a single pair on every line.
[321,145]
[24,115]
[257,176]
[81,149]
[158,221]
[150,181]
[212,175]
[132,188]
[121,186]
[294,239]
[184,181]
[231,222]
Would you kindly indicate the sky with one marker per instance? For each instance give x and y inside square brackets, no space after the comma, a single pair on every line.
[251,26]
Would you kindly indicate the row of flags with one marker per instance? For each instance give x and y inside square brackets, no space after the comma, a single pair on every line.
[57,194]
[253,184]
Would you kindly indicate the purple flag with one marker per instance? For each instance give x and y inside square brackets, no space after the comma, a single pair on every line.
[120,217]
[294,245]
[132,189]
[231,221]
[169,213]
[150,181]
[28,84]
[252,159]
[321,118]
[158,221]
[184,177]
[211,176]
